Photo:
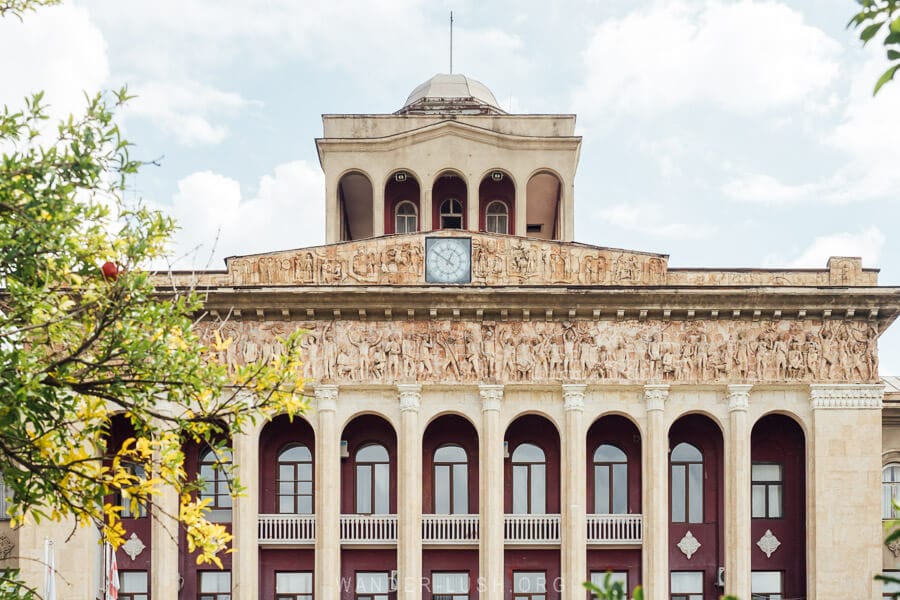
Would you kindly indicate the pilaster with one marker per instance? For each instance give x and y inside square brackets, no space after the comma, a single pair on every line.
[656,495]
[844,476]
[328,495]
[245,561]
[574,525]
[378,206]
[737,493]
[409,544]
[491,492]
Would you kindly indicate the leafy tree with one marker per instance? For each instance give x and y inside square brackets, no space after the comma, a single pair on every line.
[88,331]
[872,18]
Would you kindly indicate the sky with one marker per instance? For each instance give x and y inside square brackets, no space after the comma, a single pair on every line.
[722,133]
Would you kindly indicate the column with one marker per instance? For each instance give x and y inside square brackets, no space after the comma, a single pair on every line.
[844,537]
[409,542]
[491,487]
[737,493]
[521,224]
[656,495]
[332,212]
[165,532]
[425,210]
[472,207]
[574,493]
[245,561]
[377,206]
[328,495]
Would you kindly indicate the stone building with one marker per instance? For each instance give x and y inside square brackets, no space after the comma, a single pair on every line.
[500,413]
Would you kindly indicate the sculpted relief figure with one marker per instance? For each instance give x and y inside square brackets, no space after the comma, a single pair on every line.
[620,351]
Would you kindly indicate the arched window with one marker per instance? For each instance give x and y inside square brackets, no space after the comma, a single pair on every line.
[406,218]
[451,214]
[890,490]
[687,484]
[610,480]
[529,469]
[295,481]
[373,476]
[451,480]
[124,500]
[497,217]
[214,469]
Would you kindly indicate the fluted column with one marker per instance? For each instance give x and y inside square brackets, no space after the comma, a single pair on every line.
[737,493]
[656,496]
[328,495]
[491,488]
[409,544]
[245,562]
[574,492]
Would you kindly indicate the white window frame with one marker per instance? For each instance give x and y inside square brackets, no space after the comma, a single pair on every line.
[405,218]
[493,221]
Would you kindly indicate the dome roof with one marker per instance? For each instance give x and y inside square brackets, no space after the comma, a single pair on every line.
[451,93]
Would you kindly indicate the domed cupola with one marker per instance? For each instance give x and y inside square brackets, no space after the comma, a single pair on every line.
[451,94]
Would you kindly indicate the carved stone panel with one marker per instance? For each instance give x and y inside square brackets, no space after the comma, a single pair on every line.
[496,260]
[590,351]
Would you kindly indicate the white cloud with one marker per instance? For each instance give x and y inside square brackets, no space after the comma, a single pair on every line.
[647,219]
[866,244]
[288,211]
[766,190]
[187,110]
[868,133]
[56,49]
[745,56]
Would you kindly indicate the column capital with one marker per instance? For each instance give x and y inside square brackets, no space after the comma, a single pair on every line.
[738,396]
[410,394]
[326,397]
[573,396]
[846,395]
[491,395]
[655,395]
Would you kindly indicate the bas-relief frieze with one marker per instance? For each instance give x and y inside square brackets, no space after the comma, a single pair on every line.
[495,261]
[591,351]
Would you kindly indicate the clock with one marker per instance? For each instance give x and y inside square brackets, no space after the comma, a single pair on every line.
[448,260]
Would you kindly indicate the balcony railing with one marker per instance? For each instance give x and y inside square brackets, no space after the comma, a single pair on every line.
[368,529]
[531,529]
[287,529]
[450,529]
[615,529]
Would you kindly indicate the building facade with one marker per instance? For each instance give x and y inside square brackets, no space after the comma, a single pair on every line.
[501,413]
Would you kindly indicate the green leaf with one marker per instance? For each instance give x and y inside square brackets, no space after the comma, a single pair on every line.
[893,55]
[892,38]
[869,32]
[895,25]
[887,76]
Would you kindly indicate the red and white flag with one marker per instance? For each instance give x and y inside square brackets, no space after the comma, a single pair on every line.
[112,574]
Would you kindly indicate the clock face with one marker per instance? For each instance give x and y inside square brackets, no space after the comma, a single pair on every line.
[448,260]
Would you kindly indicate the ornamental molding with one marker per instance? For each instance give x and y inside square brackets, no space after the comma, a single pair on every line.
[894,547]
[410,395]
[738,397]
[491,396]
[655,396]
[6,547]
[689,545]
[846,396]
[768,543]
[326,397]
[573,396]
[133,546]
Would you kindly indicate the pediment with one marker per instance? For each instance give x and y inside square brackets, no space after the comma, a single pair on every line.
[496,260]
